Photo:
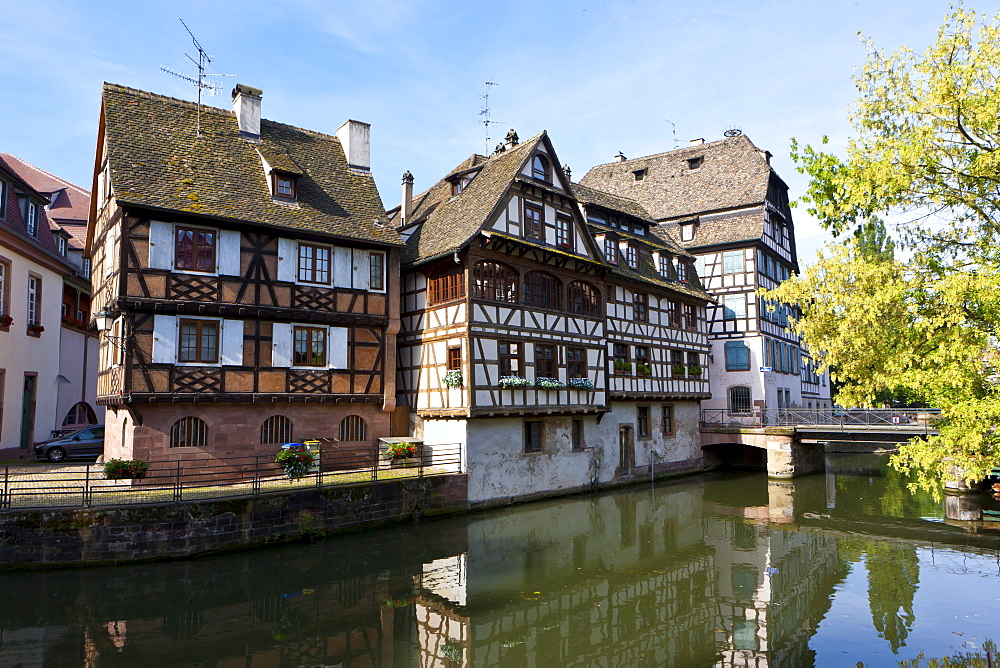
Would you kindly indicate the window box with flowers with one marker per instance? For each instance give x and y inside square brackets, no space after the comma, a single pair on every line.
[125,469]
[453,378]
[514,382]
[678,370]
[297,460]
[5,322]
[402,454]
[34,329]
[73,322]
[581,383]
[643,369]
[549,383]
[623,367]
[694,371]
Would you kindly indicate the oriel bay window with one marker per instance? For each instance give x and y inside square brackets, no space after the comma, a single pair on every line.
[584,299]
[533,217]
[195,249]
[494,281]
[314,263]
[545,360]
[509,358]
[542,290]
[446,284]
[309,346]
[198,341]
[576,362]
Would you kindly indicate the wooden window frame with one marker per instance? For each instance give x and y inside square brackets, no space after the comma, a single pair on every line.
[504,359]
[673,314]
[632,256]
[353,429]
[276,429]
[687,231]
[690,317]
[682,271]
[34,303]
[543,293]
[677,362]
[584,299]
[667,425]
[540,168]
[741,409]
[611,251]
[198,334]
[195,249]
[576,436]
[376,271]
[740,345]
[312,335]
[454,360]
[620,352]
[5,269]
[643,422]
[641,356]
[312,272]
[534,228]
[729,313]
[546,365]
[736,257]
[446,284]
[4,194]
[564,225]
[31,221]
[640,306]
[533,433]
[576,362]
[276,184]
[495,281]
[189,429]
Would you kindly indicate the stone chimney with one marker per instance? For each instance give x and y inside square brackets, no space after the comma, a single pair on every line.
[697,142]
[355,137]
[512,139]
[620,157]
[568,172]
[406,205]
[246,108]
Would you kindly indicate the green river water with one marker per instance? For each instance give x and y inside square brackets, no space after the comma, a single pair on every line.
[726,569]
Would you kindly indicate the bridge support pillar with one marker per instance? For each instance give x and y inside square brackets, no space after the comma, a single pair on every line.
[789,458]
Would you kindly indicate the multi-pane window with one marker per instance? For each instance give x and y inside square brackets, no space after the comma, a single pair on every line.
[642,421]
[34,299]
[562,231]
[690,316]
[694,363]
[509,358]
[611,250]
[642,367]
[732,262]
[673,314]
[494,281]
[376,271]
[739,399]
[545,361]
[619,353]
[81,413]
[542,290]
[284,186]
[32,222]
[353,428]
[576,435]
[677,369]
[682,271]
[667,420]
[446,284]
[738,356]
[4,286]
[198,341]
[189,432]
[664,267]
[195,250]
[276,429]
[540,168]
[533,221]
[576,362]
[532,435]
[309,346]
[61,245]
[314,263]
[454,358]
[687,232]
[640,306]
[584,299]
[632,256]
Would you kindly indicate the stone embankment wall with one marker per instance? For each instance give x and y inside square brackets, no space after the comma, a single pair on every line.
[85,536]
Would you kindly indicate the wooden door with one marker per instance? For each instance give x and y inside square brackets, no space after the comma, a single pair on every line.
[626,449]
[28,412]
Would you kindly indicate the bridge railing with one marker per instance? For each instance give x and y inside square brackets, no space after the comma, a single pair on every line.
[909,418]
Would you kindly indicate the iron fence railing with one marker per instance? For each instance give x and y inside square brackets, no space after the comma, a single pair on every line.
[911,419]
[177,480]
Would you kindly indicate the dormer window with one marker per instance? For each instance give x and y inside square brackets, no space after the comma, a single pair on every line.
[664,265]
[284,186]
[687,231]
[639,174]
[632,257]
[611,250]
[61,244]
[32,223]
[695,163]
[540,168]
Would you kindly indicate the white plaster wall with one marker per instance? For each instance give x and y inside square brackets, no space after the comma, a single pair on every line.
[683,444]
[78,365]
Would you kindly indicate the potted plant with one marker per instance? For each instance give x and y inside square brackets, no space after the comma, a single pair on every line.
[296,460]
[125,469]
[34,329]
[581,383]
[453,378]
[402,454]
[621,366]
[514,382]
[643,369]
[678,370]
[549,383]
[694,370]
[5,321]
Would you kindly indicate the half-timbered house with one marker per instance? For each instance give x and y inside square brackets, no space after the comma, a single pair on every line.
[252,276]
[726,205]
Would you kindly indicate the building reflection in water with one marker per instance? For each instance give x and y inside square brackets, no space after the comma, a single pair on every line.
[729,571]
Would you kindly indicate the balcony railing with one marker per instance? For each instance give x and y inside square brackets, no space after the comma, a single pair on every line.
[911,419]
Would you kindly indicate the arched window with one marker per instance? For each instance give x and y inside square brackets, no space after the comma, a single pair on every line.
[540,168]
[353,428]
[445,284]
[492,280]
[739,399]
[81,414]
[543,290]
[276,429]
[189,432]
[584,299]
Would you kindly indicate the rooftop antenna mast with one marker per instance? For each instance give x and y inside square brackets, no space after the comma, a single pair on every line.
[200,81]
[485,111]
[674,128]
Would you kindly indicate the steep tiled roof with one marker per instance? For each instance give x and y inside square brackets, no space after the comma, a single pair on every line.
[157,160]
[733,173]
[13,222]
[731,227]
[658,237]
[68,201]
[449,221]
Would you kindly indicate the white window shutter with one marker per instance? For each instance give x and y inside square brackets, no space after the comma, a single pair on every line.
[342,264]
[338,348]
[288,259]
[161,246]
[164,339]
[362,271]
[281,344]
[232,342]
[109,251]
[229,252]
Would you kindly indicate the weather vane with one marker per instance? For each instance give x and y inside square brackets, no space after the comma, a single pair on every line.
[200,81]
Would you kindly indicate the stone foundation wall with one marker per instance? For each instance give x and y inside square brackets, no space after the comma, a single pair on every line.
[45,538]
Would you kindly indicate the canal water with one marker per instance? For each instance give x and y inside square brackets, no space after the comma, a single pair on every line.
[727,569]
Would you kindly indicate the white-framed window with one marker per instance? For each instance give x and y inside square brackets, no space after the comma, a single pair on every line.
[732,262]
[34,299]
[664,267]
[735,306]
[32,222]
[308,346]
[61,245]
[610,250]
[687,232]
[631,256]
[4,286]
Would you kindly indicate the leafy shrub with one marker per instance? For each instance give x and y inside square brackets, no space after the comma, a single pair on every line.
[125,469]
[297,461]
[402,450]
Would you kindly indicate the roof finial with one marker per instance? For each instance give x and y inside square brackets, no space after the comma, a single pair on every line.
[499,149]
[568,172]
[512,139]
[407,177]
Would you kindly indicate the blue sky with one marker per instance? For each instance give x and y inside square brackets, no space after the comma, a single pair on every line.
[602,76]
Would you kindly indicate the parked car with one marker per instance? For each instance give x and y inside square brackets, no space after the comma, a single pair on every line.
[86,443]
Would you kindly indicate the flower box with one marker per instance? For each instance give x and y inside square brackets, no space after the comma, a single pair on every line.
[549,383]
[643,369]
[514,382]
[453,378]
[623,367]
[581,383]
[125,469]
[35,330]
[694,370]
[678,370]
[5,322]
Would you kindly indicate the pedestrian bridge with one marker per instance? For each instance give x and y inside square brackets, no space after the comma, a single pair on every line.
[790,442]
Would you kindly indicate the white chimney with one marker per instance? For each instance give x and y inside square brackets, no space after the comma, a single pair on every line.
[406,206]
[355,137]
[697,142]
[246,108]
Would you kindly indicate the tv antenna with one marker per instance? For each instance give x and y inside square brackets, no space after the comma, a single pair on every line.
[485,111]
[200,80]
[674,128]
